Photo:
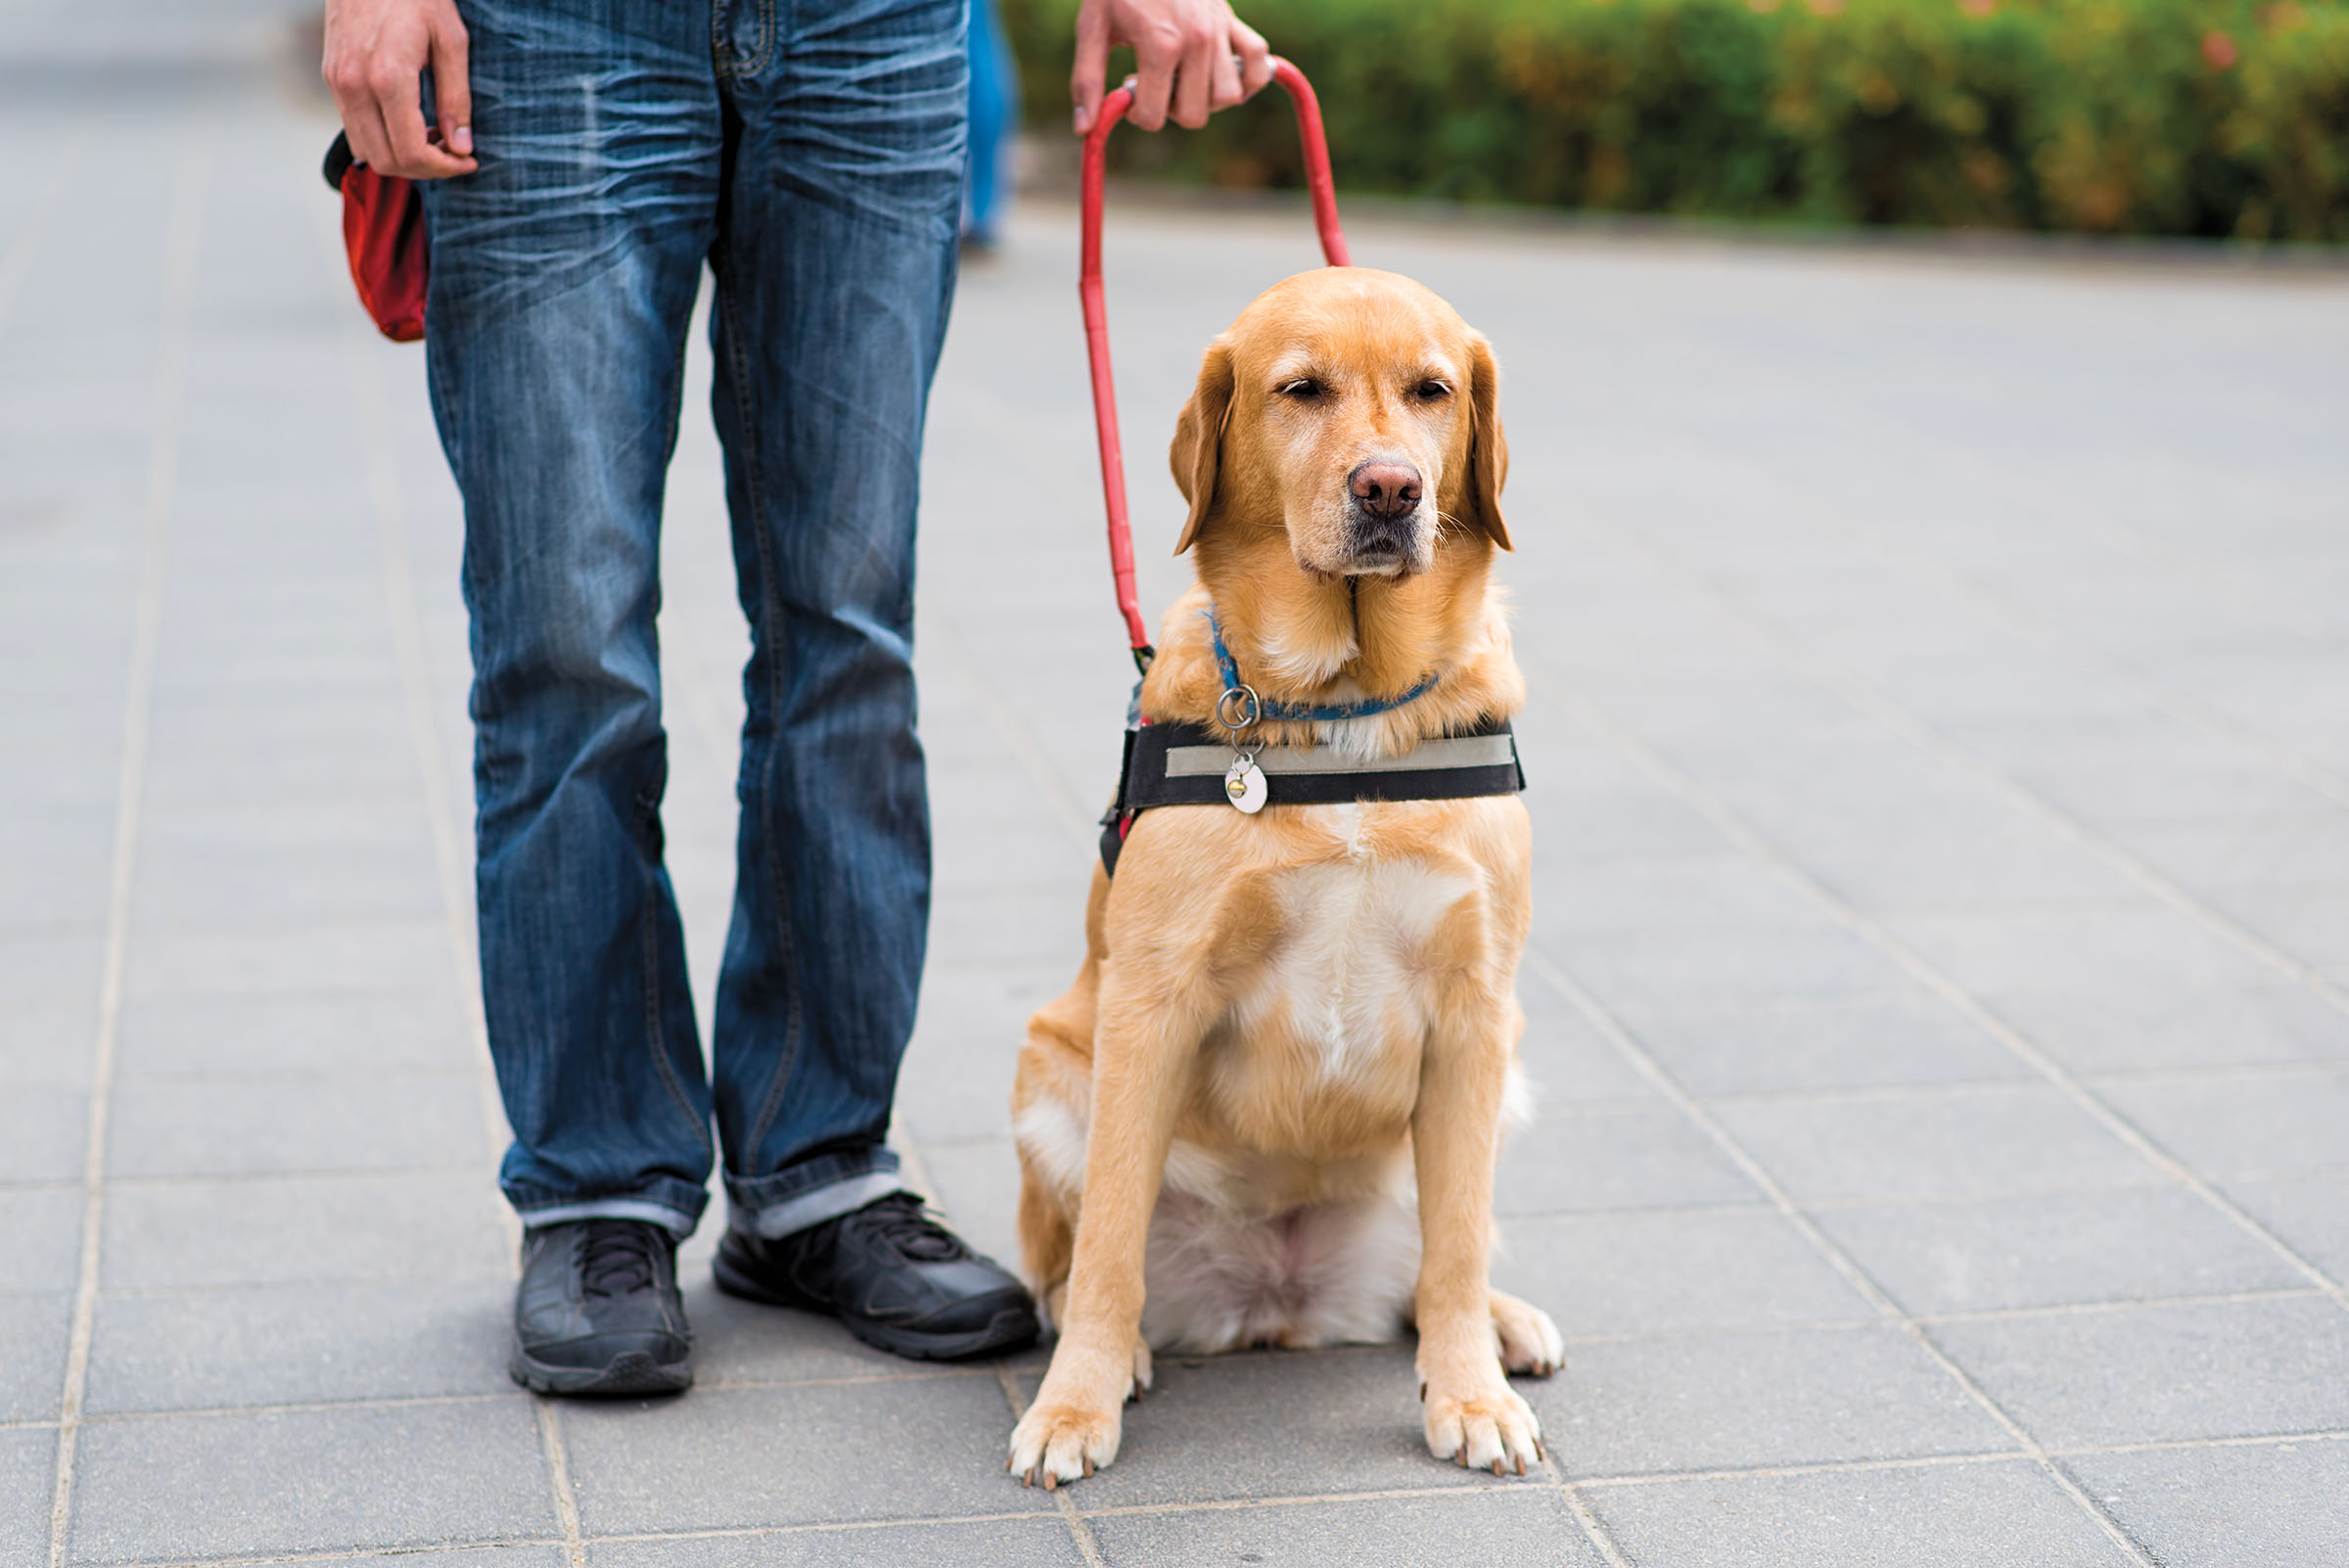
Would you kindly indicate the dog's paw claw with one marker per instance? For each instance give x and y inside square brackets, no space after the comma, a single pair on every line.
[1494,1430]
[1058,1444]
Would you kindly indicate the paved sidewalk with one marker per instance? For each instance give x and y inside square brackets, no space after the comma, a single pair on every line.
[1940,987]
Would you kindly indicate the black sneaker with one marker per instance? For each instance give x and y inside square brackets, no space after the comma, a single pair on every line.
[897,1278]
[597,1310]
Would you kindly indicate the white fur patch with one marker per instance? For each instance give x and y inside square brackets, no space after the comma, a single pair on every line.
[1326,1274]
[1346,974]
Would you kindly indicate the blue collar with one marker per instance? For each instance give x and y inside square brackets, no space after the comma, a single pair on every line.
[1255,708]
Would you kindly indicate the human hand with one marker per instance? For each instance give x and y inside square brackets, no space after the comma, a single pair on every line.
[1184,60]
[375,51]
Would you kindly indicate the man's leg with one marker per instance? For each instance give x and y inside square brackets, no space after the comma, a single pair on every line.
[835,266]
[563,281]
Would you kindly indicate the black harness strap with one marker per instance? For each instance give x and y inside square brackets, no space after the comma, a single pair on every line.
[1183,765]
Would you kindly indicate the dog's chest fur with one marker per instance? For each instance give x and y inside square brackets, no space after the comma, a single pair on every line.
[1344,986]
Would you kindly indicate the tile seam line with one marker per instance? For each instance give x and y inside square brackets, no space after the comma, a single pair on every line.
[183,236]
[1885,940]
[387,502]
[1074,1519]
[1834,1255]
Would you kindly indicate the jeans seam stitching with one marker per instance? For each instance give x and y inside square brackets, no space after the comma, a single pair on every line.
[739,371]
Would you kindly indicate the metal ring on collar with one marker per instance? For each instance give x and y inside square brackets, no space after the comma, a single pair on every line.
[1249,709]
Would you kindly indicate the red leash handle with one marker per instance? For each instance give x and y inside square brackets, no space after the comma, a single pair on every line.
[1096,311]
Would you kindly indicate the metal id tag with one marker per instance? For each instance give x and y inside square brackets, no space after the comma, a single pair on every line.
[1244,784]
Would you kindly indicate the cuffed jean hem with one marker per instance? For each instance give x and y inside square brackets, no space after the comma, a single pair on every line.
[671,1205]
[811,1193]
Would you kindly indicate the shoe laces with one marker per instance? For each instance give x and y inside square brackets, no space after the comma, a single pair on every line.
[618,1256]
[900,1221]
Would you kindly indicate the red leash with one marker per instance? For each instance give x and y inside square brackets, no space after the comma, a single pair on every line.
[1096,313]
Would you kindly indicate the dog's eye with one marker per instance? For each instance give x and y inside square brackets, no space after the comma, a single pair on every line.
[1431,390]
[1302,387]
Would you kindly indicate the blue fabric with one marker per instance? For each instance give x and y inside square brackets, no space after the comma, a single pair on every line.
[994,113]
[810,151]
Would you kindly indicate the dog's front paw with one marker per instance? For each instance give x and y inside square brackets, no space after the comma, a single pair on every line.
[1058,1440]
[1528,1341]
[1490,1430]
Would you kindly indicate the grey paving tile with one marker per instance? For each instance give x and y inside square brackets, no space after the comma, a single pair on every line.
[43,1231]
[309,1481]
[2261,852]
[1642,1272]
[2209,1507]
[1036,1540]
[1496,1527]
[1942,872]
[1699,966]
[2311,1213]
[43,1133]
[27,1478]
[349,1228]
[917,1446]
[1274,1425]
[2158,1373]
[222,1127]
[2091,950]
[238,884]
[1755,1397]
[1579,827]
[2311,924]
[2225,1124]
[50,1046]
[1862,1042]
[1937,1142]
[1566,1060]
[410,955]
[34,1330]
[2008,1514]
[2131,1031]
[299,1345]
[522,1555]
[2055,1248]
[1712,890]
[1617,1157]
[957,1079]
[1010,925]
[359,1030]
[53,967]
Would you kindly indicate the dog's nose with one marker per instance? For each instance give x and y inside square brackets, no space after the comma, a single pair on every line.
[1385,490]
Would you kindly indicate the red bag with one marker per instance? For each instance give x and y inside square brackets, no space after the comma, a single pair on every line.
[382,229]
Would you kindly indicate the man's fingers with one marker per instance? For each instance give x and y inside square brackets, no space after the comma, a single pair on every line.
[1256,58]
[1089,80]
[1226,80]
[363,123]
[1195,82]
[1153,82]
[452,87]
[413,155]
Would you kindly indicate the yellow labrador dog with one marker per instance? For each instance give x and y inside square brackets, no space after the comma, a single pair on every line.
[1268,1110]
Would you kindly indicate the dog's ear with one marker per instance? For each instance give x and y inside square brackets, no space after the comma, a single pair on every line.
[1198,449]
[1487,448]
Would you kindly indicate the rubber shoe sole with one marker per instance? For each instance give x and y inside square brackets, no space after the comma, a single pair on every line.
[633,1373]
[1010,1328]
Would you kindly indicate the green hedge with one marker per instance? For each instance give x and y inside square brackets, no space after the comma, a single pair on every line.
[2146,116]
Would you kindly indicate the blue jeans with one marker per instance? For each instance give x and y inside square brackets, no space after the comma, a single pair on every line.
[810,151]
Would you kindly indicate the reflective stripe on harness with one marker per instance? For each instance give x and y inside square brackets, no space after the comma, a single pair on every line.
[1183,765]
